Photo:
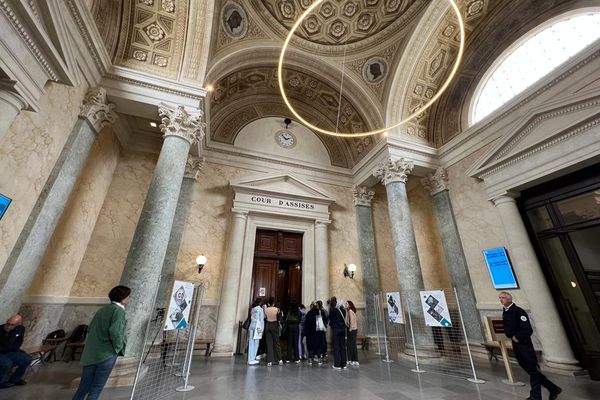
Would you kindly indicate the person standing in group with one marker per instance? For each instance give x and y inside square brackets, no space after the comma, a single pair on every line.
[292,323]
[11,355]
[106,340]
[272,333]
[517,327]
[309,330]
[352,324]
[301,346]
[337,321]
[255,330]
[320,333]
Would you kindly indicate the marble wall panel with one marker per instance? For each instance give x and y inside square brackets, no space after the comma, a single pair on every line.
[40,319]
[386,260]
[343,245]
[28,152]
[104,259]
[69,242]
[479,226]
[206,227]
[429,241]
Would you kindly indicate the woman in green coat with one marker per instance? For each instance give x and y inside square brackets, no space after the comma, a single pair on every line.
[106,340]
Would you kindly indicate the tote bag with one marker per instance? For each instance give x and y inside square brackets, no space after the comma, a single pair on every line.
[320,324]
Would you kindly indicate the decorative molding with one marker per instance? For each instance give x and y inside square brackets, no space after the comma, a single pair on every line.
[436,182]
[63,300]
[116,75]
[393,170]
[31,44]
[363,196]
[193,166]
[181,122]
[96,110]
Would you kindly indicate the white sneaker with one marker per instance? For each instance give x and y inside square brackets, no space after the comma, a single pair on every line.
[334,367]
[269,364]
[253,362]
[355,363]
[297,361]
[280,362]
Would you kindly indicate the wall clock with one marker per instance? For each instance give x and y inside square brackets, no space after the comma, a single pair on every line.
[285,139]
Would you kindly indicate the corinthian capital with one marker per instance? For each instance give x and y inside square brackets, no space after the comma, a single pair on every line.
[393,170]
[95,109]
[436,182]
[362,195]
[193,165]
[181,122]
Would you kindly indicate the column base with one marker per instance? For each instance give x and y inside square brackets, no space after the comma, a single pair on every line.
[562,367]
[222,351]
[123,374]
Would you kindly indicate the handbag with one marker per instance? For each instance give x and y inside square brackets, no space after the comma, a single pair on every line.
[246,324]
[320,324]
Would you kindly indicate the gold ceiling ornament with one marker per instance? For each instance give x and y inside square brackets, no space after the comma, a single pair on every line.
[417,112]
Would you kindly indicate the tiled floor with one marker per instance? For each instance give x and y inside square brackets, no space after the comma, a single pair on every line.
[228,378]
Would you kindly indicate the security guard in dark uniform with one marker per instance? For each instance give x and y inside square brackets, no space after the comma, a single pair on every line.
[518,328]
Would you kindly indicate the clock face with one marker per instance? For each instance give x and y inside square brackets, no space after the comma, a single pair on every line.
[285,139]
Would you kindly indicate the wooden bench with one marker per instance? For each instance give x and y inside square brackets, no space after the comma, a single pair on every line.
[208,343]
[364,342]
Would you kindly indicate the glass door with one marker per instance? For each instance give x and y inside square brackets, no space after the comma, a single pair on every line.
[564,224]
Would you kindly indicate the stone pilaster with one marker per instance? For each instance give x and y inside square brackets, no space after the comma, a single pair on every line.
[11,105]
[226,320]
[24,260]
[181,128]
[363,196]
[437,184]
[394,174]
[556,349]
[321,260]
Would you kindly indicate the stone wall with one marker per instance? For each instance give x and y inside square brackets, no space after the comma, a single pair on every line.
[28,152]
[108,247]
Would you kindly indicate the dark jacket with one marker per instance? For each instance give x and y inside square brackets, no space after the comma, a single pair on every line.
[11,341]
[517,324]
[337,319]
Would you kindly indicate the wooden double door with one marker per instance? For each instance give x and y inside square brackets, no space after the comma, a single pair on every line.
[277,270]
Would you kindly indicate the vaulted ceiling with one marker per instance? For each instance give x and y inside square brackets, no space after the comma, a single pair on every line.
[392,56]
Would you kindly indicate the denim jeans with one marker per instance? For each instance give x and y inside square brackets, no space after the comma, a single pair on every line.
[252,343]
[9,360]
[93,379]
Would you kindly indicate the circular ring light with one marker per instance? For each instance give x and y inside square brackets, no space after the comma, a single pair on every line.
[376,131]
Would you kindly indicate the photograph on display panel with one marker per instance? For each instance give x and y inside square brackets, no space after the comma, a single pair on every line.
[180,304]
[435,308]
[394,307]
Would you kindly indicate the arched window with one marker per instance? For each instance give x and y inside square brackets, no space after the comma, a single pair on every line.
[532,57]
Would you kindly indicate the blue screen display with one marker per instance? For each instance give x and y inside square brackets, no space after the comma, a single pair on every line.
[500,269]
[4,203]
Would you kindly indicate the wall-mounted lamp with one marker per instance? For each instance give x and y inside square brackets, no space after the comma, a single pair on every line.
[287,122]
[349,270]
[201,261]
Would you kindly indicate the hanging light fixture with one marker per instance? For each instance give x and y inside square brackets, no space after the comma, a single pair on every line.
[417,112]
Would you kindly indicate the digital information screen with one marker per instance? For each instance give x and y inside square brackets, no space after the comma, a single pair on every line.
[4,203]
[500,269]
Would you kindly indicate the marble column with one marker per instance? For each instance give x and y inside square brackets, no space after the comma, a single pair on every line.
[393,174]
[190,177]
[321,260]
[11,105]
[556,349]
[226,320]
[437,184]
[363,196]
[181,128]
[25,258]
